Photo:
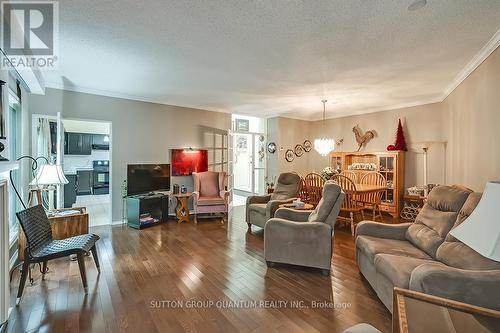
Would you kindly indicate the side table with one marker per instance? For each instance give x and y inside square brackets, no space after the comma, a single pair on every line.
[182,208]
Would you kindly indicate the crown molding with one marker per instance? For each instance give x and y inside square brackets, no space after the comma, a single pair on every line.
[106,93]
[471,66]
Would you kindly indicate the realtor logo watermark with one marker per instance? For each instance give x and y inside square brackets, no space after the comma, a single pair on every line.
[30,34]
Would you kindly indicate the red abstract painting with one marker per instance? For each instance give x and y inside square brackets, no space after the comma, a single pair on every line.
[187,161]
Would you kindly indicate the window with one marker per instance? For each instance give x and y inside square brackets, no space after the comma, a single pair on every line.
[14,140]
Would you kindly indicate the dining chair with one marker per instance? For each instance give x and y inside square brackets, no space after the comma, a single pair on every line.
[351,175]
[41,247]
[314,186]
[373,200]
[303,195]
[351,204]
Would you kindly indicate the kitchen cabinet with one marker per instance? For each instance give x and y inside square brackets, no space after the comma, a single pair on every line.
[77,143]
[100,142]
[70,191]
[84,182]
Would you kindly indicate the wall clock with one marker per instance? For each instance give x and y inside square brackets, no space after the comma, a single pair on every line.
[271,147]
[307,145]
[289,155]
[298,150]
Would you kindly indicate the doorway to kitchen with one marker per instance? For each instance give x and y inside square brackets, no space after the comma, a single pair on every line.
[85,157]
[249,157]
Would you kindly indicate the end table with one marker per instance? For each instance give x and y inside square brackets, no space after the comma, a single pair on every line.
[182,208]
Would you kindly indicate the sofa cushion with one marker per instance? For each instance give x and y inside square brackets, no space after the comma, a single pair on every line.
[371,246]
[210,201]
[436,218]
[398,269]
[455,253]
[287,186]
[209,184]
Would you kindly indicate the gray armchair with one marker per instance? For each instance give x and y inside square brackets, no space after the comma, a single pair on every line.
[259,209]
[304,237]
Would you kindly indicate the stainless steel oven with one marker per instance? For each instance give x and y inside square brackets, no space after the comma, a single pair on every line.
[101,177]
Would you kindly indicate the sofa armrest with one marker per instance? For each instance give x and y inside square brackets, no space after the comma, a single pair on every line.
[469,286]
[273,205]
[382,230]
[302,232]
[258,199]
[224,195]
[293,214]
[196,195]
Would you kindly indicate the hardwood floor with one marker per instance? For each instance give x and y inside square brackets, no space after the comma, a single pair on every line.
[182,278]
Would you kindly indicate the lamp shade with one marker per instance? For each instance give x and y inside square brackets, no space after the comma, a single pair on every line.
[481,230]
[49,174]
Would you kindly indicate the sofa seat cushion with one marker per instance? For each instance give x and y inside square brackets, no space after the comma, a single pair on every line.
[436,218]
[398,269]
[210,201]
[456,254]
[371,246]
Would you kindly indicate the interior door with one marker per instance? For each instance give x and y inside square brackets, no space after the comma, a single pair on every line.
[259,163]
[249,163]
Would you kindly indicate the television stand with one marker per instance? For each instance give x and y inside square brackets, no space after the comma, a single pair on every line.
[145,210]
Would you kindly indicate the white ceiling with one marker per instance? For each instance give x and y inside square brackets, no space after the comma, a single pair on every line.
[271,57]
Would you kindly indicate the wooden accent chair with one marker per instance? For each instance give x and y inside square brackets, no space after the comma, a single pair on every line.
[351,204]
[303,195]
[314,185]
[373,200]
[351,175]
[41,247]
[210,194]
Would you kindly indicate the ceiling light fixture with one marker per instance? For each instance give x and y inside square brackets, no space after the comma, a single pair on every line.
[323,145]
[416,5]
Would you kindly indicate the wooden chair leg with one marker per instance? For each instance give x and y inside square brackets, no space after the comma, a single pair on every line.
[352,223]
[24,276]
[81,264]
[96,258]
[380,213]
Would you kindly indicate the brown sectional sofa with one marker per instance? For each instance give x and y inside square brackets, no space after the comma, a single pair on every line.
[422,256]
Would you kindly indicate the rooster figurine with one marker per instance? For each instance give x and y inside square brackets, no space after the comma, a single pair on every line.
[362,139]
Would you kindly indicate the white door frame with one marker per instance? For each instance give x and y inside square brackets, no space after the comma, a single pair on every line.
[252,159]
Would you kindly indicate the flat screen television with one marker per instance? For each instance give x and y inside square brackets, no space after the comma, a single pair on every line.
[145,178]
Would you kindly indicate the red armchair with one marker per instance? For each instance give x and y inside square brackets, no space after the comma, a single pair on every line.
[210,195]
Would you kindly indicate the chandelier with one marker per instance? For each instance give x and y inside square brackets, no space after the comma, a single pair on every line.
[324,146]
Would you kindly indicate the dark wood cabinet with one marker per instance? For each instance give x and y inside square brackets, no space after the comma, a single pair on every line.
[77,143]
[70,191]
[84,182]
[100,142]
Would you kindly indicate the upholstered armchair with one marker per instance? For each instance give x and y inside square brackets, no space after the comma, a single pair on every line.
[304,238]
[210,194]
[259,209]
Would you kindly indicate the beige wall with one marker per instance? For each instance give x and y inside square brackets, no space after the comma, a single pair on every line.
[287,133]
[463,133]
[141,132]
[472,115]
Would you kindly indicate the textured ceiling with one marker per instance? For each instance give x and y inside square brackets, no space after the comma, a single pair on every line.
[270,57]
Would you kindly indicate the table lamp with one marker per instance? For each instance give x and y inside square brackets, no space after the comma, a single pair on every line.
[481,230]
[47,177]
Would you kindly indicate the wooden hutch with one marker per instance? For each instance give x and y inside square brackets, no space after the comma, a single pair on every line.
[391,164]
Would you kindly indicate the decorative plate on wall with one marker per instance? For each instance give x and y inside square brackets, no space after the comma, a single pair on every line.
[271,147]
[289,155]
[298,150]
[307,145]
